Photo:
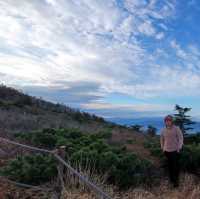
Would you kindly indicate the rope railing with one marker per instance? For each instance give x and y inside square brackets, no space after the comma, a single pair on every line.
[98,191]
[26,146]
[84,179]
[23,185]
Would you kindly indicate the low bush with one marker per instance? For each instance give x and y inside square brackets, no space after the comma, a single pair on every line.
[189,155]
[123,168]
[31,169]
[190,158]
[192,138]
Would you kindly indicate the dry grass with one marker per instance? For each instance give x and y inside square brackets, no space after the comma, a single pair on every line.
[88,171]
[189,189]
[11,191]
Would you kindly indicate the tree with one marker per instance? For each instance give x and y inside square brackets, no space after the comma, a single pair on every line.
[151,130]
[182,120]
[136,127]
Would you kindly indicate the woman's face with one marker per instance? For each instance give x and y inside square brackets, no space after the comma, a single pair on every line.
[168,123]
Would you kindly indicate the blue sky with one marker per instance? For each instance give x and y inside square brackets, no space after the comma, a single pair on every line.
[115,58]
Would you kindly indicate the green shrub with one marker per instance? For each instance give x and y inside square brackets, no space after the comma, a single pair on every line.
[132,171]
[130,141]
[108,159]
[189,155]
[45,138]
[85,158]
[154,147]
[31,169]
[107,134]
[192,138]
[156,152]
[190,158]
[92,150]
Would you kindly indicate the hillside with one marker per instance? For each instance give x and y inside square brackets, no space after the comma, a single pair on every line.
[119,156]
[21,112]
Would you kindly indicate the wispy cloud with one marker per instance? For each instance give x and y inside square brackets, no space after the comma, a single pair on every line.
[109,110]
[57,44]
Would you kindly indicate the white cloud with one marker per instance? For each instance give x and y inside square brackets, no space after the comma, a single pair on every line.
[160,35]
[189,56]
[179,51]
[147,28]
[109,110]
[132,107]
[51,2]
[87,40]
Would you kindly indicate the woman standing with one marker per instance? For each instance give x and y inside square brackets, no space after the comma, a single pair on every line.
[171,140]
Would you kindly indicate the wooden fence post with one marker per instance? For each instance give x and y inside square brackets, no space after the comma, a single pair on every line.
[59,155]
[60,167]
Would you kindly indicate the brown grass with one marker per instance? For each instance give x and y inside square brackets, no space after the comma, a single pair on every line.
[189,189]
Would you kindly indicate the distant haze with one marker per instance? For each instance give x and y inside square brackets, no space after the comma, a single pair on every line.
[154,121]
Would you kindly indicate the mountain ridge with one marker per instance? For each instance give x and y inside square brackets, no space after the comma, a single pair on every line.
[145,121]
[22,112]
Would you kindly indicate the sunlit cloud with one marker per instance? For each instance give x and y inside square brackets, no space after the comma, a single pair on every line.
[115,45]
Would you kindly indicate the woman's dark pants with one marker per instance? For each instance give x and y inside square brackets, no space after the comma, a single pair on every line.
[173,166]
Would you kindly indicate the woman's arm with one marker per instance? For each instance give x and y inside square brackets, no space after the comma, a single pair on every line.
[162,141]
[180,138]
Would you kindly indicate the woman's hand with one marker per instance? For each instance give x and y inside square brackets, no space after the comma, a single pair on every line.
[178,151]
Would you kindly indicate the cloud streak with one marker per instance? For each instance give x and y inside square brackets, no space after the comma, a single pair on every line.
[59,44]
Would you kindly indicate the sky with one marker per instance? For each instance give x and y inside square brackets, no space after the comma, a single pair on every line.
[114,58]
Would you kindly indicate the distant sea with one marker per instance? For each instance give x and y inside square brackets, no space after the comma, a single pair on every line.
[145,121]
